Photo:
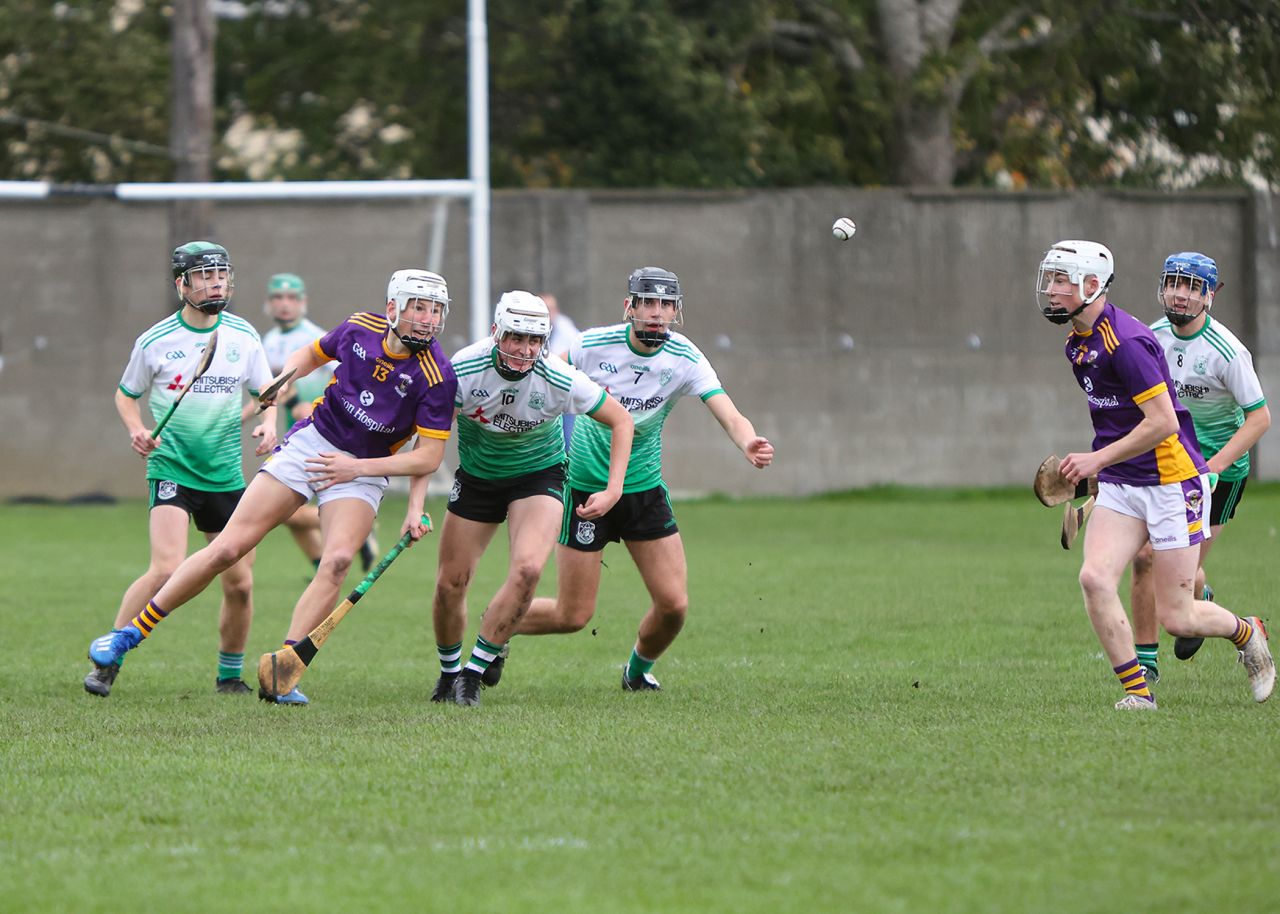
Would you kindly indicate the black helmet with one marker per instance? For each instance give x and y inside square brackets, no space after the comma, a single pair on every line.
[203,255]
[655,282]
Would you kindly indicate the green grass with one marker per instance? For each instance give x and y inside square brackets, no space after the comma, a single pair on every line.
[883,701]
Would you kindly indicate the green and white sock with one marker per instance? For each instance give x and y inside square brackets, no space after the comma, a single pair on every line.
[230,665]
[450,657]
[1147,657]
[638,665]
[483,654]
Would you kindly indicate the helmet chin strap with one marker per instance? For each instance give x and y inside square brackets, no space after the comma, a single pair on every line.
[1061,317]
[415,343]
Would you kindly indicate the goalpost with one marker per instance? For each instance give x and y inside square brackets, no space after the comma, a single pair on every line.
[474,189]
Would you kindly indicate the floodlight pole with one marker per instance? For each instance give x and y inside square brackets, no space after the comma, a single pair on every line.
[478,146]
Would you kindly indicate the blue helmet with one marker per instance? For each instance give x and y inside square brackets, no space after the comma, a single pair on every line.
[1199,272]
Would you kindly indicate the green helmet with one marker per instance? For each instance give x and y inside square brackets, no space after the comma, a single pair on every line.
[202,256]
[286,282]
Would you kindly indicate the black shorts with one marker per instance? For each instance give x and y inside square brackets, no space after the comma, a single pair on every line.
[1226,496]
[643,515]
[486,500]
[210,510]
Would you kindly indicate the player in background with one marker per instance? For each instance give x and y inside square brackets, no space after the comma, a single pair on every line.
[647,366]
[564,332]
[193,468]
[511,395]
[392,380]
[286,305]
[1213,375]
[1153,485]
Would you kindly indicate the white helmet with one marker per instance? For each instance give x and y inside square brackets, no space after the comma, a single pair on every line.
[523,313]
[407,285]
[1078,260]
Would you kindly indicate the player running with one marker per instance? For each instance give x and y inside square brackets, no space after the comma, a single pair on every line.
[193,468]
[511,395]
[1153,485]
[648,367]
[392,380]
[1213,374]
[286,305]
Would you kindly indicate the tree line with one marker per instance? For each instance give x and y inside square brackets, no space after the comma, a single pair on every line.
[669,93]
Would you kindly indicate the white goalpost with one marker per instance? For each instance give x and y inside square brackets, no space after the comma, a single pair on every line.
[474,189]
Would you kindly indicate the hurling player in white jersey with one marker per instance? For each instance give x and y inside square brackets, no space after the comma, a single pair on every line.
[511,396]
[193,468]
[647,367]
[1215,380]
[286,305]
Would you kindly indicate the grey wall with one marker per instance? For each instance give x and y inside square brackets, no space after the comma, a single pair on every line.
[952,377]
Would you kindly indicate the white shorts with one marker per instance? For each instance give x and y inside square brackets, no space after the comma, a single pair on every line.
[1175,513]
[289,465]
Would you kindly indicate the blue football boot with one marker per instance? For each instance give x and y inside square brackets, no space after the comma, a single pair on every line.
[293,698]
[107,650]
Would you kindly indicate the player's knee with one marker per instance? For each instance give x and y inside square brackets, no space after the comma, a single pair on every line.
[1143,561]
[1096,583]
[673,610]
[524,575]
[224,552]
[574,618]
[238,590]
[335,565]
[452,584]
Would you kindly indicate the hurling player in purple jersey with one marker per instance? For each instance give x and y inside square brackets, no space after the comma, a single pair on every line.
[392,381]
[1153,484]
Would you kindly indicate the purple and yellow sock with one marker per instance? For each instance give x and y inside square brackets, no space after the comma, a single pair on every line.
[149,618]
[1244,631]
[1133,678]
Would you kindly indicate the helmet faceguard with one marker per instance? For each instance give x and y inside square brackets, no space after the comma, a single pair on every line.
[520,314]
[653,283]
[406,286]
[1077,260]
[206,267]
[1190,280]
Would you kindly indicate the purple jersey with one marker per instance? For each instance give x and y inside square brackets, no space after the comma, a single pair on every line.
[1120,365]
[377,400]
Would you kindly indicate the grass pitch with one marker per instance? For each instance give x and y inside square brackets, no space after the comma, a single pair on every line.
[887,701]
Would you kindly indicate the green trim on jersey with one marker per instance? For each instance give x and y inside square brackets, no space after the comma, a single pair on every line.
[491,455]
[711,393]
[127,392]
[589,453]
[1252,406]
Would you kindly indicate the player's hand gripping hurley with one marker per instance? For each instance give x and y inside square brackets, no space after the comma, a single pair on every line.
[279,672]
[268,396]
[206,359]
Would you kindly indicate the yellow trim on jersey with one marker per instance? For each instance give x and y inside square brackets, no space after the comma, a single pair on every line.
[1173,462]
[1196,527]
[1149,393]
[366,319]
[315,345]
[391,355]
[1108,336]
[429,368]
[441,433]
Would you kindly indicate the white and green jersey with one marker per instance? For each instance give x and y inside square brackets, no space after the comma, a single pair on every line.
[200,447]
[508,428]
[648,385]
[1214,377]
[279,344]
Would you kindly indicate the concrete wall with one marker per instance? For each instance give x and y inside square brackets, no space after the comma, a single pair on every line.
[912,354]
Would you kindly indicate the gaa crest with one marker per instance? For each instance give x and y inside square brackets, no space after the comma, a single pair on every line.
[1195,501]
[233,352]
[1200,365]
[403,387]
[537,400]
[586,532]
[665,378]
[456,490]
[166,490]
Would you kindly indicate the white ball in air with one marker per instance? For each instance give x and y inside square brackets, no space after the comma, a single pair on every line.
[843,228]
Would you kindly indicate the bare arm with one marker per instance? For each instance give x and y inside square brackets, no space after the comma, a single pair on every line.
[131,415]
[622,431]
[757,450]
[1158,422]
[1256,423]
